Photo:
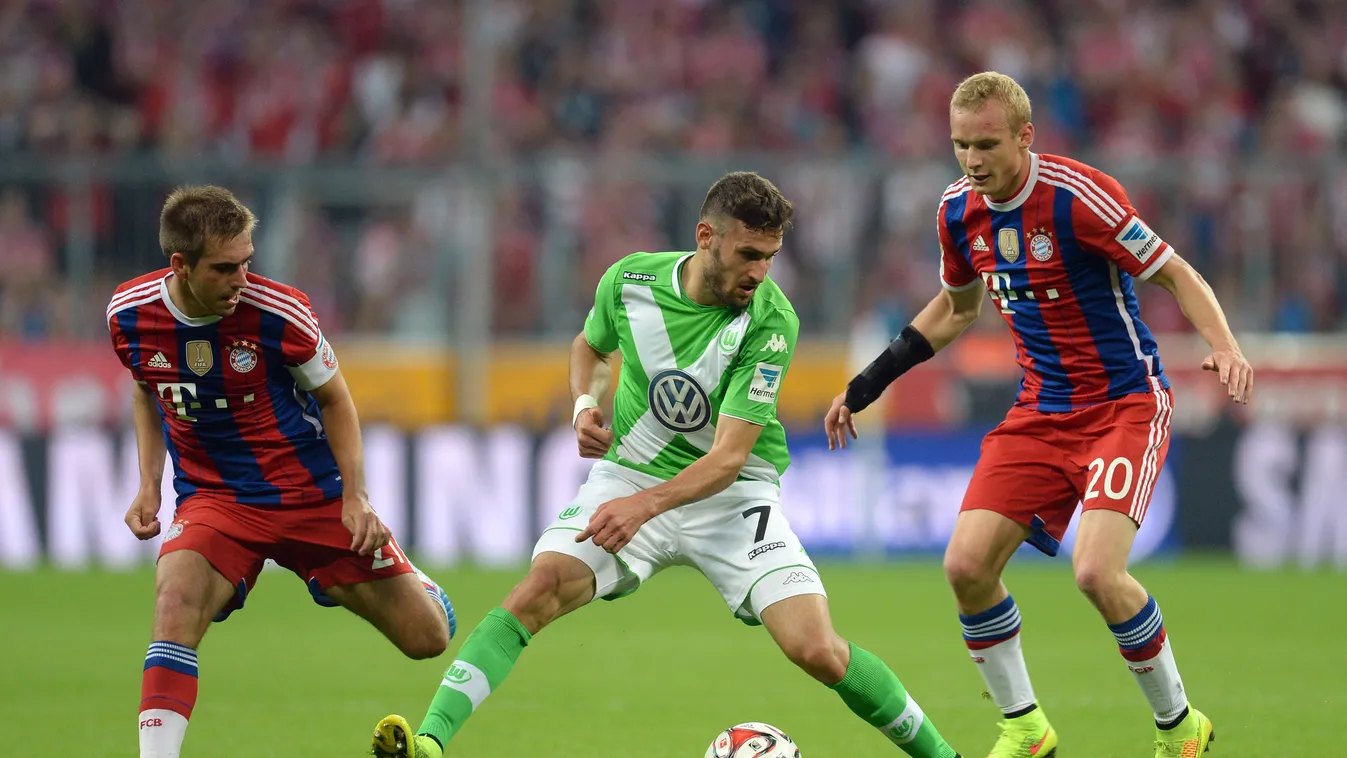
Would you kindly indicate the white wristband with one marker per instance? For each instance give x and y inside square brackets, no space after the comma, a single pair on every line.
[584,402]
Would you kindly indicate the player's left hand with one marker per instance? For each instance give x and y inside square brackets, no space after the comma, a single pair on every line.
[615,522]
[839,423]
[368,532]
[1235,372]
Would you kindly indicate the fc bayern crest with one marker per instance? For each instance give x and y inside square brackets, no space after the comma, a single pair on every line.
[1040,247]
[243,356]
[174,530]
[329,357]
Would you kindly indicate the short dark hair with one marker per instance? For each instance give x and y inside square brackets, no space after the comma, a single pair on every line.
[747,197]
[194,217]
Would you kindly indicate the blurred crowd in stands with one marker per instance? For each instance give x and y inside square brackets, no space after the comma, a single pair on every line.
[1224,118]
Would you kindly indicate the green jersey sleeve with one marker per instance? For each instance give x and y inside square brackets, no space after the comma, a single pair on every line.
[601,323]
[761,367]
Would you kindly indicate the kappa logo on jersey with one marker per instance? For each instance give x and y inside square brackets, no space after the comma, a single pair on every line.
[678,402]
[1139,240]
[776,344]
[766,380]
[159,361]
[633,276]
[980,245]
[798,577]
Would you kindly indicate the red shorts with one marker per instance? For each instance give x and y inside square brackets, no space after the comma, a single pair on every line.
[312,542]
[1043,464]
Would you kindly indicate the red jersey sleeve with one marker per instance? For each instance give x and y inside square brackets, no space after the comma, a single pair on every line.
[307,354]
[956,273]
[120,343]
[128,296]
[1106,223]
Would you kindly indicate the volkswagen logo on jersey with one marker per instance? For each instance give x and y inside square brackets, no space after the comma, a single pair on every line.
[678,402]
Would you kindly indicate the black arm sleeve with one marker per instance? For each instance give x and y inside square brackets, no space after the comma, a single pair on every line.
[903,353]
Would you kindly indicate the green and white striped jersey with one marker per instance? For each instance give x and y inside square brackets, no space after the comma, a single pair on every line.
[684,365]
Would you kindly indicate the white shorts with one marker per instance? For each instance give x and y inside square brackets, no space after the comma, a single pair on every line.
[739,539]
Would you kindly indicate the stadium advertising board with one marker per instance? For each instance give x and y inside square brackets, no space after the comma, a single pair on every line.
[454,494]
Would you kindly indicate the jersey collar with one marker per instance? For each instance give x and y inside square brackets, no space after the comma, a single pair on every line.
[678,275]
[1024,192]
[178,314]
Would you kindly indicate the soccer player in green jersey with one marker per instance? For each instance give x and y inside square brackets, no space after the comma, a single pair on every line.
[688,474]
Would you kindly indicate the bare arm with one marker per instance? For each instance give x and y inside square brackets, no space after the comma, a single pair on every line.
[941,322]
[150,448]
[1200,307]
[342,424]
[590,376]
[615,522]
[1197,300]
[712,472]
[949,314]
[143,516]
[591,371]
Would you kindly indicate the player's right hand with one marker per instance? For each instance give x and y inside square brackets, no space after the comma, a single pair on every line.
[838,423]
[593,438]
[143,517]
[368,532]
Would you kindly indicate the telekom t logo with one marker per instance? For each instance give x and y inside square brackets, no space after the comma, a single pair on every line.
[182,395]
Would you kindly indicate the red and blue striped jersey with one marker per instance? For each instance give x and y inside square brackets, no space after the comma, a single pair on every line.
[233,392]
[1058,260]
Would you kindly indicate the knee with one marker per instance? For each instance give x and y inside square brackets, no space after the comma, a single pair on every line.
[824,658]
[967,574]
[429,641]
[180,615]
[1097,581]
[537,600]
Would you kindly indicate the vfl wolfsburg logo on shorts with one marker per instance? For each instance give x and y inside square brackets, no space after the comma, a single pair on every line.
[678,402]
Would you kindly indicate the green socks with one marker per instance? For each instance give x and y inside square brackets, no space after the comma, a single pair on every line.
[872,691]
[869,689]
[482,664]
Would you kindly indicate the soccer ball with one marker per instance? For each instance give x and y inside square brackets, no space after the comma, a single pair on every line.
[752,740]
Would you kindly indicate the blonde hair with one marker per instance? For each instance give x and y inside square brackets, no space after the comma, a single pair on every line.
[977,89]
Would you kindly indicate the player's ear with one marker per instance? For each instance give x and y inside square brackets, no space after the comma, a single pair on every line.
[1027,135]
[706,233]
[178,262]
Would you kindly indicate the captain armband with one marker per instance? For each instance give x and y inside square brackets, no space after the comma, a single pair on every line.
[909,349]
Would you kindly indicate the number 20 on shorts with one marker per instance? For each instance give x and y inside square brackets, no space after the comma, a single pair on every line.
[1110,474]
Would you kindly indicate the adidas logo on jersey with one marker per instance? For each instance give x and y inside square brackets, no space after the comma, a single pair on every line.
[980,246]
[159,361]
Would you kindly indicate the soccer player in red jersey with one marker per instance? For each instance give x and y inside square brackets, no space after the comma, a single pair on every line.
[1057,245]
[237,384]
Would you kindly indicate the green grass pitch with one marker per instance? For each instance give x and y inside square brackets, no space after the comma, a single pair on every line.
[658,674]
